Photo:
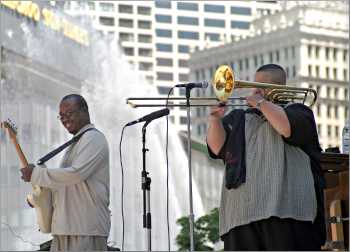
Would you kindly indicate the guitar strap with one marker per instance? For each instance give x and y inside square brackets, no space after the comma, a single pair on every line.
[53,153]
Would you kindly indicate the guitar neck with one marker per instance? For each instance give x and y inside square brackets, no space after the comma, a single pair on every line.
[20,153]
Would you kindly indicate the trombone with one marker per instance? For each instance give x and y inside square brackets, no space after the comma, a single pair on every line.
[223,85]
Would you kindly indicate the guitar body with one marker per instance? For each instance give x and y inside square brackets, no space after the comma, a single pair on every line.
[40,198]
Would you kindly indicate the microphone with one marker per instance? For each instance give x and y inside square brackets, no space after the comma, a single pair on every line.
[150,117]
[202,84]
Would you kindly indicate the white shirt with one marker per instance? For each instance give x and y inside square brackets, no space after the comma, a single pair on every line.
[80,187]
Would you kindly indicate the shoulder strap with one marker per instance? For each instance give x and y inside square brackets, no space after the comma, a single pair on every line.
[61,148]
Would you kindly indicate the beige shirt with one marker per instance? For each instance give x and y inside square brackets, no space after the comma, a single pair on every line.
[80,187]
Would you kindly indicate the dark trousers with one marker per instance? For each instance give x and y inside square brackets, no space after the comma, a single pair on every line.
[274,234]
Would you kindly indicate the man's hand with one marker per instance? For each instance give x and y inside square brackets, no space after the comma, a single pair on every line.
[217,112]
[256,96]
[27,172]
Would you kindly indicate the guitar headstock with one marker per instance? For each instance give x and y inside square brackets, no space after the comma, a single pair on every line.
[11,128]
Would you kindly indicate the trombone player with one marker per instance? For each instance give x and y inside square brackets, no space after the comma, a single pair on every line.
[272,192]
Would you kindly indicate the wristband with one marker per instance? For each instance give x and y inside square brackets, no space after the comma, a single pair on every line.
[258,104]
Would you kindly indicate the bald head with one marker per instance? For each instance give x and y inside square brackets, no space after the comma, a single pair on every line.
[271,73]
[74,113]
[78,100]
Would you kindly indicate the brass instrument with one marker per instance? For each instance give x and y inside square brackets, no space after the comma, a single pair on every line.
[223,85]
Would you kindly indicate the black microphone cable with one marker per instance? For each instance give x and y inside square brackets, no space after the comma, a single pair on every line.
[167,168]
[122,192]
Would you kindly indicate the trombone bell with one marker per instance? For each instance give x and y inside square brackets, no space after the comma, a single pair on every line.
[223,83]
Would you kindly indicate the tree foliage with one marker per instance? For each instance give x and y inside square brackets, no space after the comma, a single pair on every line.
[206,232]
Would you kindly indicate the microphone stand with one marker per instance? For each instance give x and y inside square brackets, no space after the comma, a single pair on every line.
[191,216]
[146,188]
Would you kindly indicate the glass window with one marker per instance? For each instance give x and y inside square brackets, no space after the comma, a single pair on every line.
[270,57]
[317,71]
[144,24]
[309,50]
[214,8]
[183,49]
[108,21]
[129,51]
[126,23]
[318,109]
[122,8]
[246,63]
[183,77]
[123,36]
[163,4]
[184,63]
[144,38]
[183,120]
[346,94]
[164,62]
[336,93]
[327,72]
[336,131]
[240,63]
[164,33]
[327,53]
[286,53]
[328,92]
[310,70]
[329,130]
[319,129]
[317,52]
[335,73]
[164,76]
[188,35]
[212,36]
[329,108]
[183,93]
[143,10]
[293,52]
[241,10]
[255,60]
[232,65]
[91,5]
[214,22]
[336,111]
[146,66]
[187,6]
[107,7]
[294,71]
[335,51]
[318,89]
[163,90]
[261,59]
[187,20]
[198,127]
[164,47]
[163,18]
[240,24]
[345,74]
[346,110]
[277,56]
[345,55]
[145,52]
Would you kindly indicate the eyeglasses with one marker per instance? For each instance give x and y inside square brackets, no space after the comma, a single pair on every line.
[67,115]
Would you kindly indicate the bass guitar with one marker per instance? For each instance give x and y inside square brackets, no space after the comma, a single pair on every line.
[40,198]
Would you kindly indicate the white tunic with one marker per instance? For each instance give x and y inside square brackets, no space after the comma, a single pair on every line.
[80,187]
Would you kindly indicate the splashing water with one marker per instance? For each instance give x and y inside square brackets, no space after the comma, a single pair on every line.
[106,87]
